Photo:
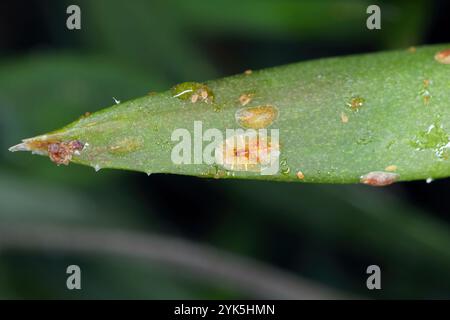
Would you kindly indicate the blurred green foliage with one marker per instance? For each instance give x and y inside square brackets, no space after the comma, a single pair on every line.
[328,234]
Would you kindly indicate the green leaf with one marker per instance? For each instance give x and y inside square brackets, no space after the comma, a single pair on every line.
[339,119]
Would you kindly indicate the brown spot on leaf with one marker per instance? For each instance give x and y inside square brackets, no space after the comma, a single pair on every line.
[391,168]
[245,98]
[126,145]
[194,98]
[356,103]
[201,95]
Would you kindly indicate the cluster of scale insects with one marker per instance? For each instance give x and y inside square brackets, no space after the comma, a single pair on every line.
[234,156]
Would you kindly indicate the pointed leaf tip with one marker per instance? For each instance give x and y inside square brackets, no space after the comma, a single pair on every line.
[19,147]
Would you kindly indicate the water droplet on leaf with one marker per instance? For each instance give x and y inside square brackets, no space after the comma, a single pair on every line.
[435,138]
[285,169]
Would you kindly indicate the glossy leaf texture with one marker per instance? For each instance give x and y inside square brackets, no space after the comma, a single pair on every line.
[373,118]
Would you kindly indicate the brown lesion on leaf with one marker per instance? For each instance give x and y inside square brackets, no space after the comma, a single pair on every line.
[60,152]
[246,98]
[126,145]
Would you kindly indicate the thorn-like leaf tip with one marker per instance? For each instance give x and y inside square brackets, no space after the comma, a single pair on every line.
[19,147]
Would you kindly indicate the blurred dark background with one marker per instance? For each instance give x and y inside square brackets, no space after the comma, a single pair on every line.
[326,234]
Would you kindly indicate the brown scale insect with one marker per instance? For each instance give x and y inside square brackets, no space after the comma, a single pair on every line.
[256,117]
[300,175]
[443,56]
[62,152]
[379,178]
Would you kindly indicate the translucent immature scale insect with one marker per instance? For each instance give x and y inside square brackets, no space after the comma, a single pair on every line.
[251,151]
